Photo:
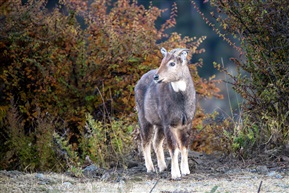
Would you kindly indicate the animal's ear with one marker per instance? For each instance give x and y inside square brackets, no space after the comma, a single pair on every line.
[184,55]
[164,52]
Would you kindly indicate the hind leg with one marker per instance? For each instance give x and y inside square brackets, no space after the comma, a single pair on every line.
[146,137]
[158,147]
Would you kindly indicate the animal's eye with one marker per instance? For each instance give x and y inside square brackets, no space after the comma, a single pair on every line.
[172,64]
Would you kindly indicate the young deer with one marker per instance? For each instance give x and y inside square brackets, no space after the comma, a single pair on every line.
[166,103]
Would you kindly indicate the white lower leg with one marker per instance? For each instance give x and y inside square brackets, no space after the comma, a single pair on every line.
[184,162]
[160,156]
[148,158]
[175,170]
[161,159]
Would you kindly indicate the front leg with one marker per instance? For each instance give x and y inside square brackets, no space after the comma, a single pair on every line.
[184,161]
[174,152]
[175,170]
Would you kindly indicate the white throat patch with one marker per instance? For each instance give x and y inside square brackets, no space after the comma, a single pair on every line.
[179,86]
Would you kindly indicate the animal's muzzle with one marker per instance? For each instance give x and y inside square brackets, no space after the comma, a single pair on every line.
[157,78]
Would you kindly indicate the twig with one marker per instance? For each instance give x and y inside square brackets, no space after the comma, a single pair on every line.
[268,140]
[155,185]
[259,189]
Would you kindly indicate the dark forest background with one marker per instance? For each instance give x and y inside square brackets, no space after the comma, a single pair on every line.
[190,23]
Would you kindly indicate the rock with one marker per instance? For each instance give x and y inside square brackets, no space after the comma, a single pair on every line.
[285,158]
[92,171]
[274,174]
[67,184]
[262,169]
[278,176]
[105,176]
[233,171]
[271,174]
[254,170]
[39,176]
[42,179]
[132,164]
[13,173]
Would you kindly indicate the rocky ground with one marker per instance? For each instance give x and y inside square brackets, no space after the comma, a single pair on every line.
[209,173]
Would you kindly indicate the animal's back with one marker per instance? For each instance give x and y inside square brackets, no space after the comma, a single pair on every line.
[142,87]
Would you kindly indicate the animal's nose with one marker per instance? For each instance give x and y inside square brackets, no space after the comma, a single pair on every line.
[156,77]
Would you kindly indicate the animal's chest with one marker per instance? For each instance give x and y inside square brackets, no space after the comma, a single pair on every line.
[176,113]
[172,108]
[176,109]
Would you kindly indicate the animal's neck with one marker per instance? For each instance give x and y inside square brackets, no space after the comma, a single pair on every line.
[180,85]
[183,84]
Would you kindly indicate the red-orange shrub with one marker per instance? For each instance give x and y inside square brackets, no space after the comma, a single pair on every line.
[51,67]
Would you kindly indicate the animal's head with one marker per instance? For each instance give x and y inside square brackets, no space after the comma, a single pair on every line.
[173,65]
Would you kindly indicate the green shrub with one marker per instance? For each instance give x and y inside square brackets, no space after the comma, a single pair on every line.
[33,150]
[103,144]
[109,143]
[263,79]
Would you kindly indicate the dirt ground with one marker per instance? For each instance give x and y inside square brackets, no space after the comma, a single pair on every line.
[209,173]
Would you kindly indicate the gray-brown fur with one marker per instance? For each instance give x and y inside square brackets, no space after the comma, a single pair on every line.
[166,103]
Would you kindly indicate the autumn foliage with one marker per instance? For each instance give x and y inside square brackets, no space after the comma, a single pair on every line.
[58,66]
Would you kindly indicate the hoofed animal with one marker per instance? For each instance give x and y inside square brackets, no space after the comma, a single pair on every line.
[166,103]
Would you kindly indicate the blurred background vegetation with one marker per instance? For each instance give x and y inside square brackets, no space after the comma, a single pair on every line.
[68,69]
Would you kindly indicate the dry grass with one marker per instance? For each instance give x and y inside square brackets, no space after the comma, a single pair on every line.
[233,181]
